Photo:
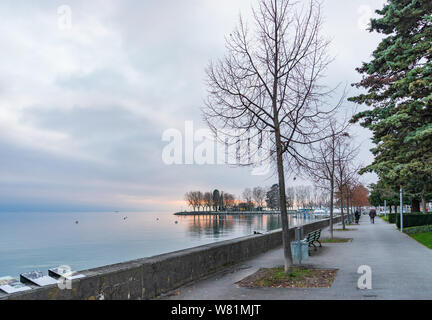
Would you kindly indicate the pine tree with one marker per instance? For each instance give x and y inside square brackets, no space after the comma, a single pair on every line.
[398,81]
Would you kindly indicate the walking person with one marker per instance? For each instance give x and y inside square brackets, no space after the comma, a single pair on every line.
[357,216]
[372,215]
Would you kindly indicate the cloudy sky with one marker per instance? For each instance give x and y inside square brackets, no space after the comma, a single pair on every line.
[83,109]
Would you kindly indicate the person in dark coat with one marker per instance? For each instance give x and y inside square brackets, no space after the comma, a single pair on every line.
[357,216]
[372,215]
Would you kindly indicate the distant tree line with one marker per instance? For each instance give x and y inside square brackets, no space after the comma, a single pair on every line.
[260,198]
[300,197]
[210,201]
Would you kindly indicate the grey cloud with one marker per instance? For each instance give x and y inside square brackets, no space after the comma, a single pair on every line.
[100,80]
[166,45]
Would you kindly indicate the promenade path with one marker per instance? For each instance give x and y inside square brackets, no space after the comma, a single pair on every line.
[401,269]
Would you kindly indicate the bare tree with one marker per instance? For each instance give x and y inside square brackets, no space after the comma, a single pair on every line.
[350,186]
[324,198]
[259,195]
[302,196]
[290,197]
[195,199]
[322,166]
[190,199]
[345,169]
[199,199]
[352,183]
[229,200]
[247,196]
[319,197]
[208,200]
[270,81]
[309,197]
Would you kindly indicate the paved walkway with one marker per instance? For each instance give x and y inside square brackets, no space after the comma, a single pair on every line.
[401,269]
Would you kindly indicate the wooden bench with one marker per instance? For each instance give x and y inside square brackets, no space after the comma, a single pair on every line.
[313,237]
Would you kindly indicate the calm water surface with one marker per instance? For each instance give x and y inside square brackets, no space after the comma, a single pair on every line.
[38,241]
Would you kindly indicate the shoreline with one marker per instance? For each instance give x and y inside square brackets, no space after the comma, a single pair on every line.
[232,212]
[217,213]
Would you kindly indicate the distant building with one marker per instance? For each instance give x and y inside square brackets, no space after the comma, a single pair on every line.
[243,206]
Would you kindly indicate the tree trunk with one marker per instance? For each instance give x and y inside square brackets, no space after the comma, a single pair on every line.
[332,186]
[348,208]
[342,211]
[423,201]
[415,205]
[279,153]
[284,215]
[331,206]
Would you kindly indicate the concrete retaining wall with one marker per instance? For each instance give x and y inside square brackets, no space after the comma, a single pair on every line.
[149,277]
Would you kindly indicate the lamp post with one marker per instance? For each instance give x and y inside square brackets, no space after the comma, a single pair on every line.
[401,208]
[385,208]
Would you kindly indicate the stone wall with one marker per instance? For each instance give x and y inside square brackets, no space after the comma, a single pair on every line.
[149,277]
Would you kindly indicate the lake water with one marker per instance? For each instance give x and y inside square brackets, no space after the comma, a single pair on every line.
[38,241]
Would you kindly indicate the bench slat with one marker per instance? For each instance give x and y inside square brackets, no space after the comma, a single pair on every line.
[312,237]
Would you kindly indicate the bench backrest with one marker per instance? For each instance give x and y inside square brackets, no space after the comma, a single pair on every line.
[314,235]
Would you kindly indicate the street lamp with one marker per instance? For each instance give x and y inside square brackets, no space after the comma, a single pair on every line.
[401,208]
[385,208]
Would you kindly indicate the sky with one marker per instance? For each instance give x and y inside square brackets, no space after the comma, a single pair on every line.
[87,89]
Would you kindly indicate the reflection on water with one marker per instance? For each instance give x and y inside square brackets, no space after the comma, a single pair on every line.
[220,226]
[32,241]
